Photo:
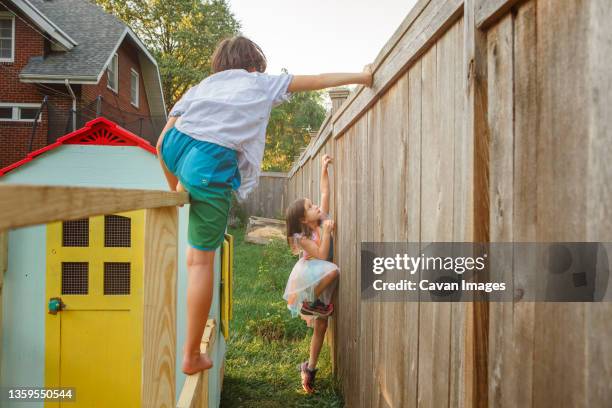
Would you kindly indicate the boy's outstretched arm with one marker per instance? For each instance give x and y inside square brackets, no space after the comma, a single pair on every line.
[325,161]
[172,180]
[314,82]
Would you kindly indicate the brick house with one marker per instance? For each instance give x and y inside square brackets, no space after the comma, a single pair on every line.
[67,62]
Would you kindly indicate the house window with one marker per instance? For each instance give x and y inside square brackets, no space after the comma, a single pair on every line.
[19,112]
[6,113]
[134,88]
[7,37]
[113,74]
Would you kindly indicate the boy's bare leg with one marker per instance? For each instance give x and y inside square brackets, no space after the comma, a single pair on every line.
[320,326]
[180,188]
[199,297]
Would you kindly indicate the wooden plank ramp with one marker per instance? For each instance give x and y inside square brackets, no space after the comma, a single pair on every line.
[195,390]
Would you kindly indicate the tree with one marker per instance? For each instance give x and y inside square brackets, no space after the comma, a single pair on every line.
[181,35]
[289,127]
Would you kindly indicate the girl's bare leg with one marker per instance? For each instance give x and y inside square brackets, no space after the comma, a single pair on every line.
[320,327]
[325,282]
[199,297]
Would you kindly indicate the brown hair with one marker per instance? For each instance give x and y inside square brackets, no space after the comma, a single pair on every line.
[238,53]
[294,216]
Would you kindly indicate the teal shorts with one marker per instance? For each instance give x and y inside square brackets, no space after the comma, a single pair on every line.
[209,173]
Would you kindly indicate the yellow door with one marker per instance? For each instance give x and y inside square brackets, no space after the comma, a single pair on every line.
[94,343]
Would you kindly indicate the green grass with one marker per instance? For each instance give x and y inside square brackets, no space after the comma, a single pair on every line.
[266,344]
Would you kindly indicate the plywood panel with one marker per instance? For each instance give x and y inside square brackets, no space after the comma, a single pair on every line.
[159,320]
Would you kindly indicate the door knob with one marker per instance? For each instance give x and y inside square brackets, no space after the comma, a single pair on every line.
[56,305]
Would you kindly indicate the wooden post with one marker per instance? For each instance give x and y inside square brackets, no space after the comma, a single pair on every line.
[159,335]
[338,96]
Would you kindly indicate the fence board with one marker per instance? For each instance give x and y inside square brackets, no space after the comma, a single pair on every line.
[354,295]
[561,193]
[520,378]
[500,91]
[379,208]
[363,228]
[436,215]
[598,328]
[462,219]
[413,231]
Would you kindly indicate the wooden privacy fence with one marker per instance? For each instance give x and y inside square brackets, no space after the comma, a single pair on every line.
[268,199]
[25,205]
[488,120]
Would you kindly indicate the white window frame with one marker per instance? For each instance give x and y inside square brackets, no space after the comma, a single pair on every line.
[6,15]
[116,72]
[17,111]
[137,103]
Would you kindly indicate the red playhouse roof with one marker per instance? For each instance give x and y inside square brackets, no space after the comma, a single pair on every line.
[99,131]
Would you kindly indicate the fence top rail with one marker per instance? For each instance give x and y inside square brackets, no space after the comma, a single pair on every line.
[273,174]
[25,205]
[424,24]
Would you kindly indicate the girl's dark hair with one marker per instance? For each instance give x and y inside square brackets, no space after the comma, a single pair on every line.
[238,53]
[293,217]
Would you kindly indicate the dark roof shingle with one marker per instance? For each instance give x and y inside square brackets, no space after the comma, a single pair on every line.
[96,32]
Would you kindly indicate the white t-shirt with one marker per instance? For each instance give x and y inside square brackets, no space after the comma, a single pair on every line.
[231,108]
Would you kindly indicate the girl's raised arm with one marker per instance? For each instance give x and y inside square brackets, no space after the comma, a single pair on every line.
[314,82]
[325,161]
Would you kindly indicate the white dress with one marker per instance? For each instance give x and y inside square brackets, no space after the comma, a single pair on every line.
[306,274]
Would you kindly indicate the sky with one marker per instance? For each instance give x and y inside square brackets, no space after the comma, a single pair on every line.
[317,36]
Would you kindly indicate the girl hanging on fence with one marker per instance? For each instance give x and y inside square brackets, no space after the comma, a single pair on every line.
[212,144]
[313,278]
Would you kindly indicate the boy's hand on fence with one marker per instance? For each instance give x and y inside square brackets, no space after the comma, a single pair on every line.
[326,160]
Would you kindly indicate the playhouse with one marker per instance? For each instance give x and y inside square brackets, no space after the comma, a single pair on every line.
[72,304]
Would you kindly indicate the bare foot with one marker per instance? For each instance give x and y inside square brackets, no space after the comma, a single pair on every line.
[194,363]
